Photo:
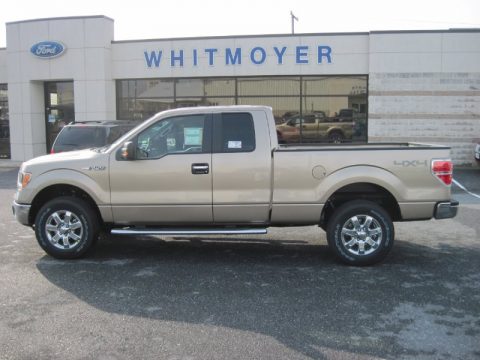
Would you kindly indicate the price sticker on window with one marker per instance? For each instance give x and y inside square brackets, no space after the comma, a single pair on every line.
[234,144]
[192,136]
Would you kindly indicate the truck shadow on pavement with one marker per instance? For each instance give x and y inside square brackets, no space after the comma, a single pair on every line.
[421,302]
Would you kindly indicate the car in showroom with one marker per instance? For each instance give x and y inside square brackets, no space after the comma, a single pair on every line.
[315,127]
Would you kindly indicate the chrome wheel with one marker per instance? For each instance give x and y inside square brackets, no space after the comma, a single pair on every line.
[64,229]
[361,235]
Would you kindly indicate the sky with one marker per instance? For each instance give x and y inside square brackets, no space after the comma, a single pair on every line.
[146,19]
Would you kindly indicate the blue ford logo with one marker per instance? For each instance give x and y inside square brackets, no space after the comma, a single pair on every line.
[48,49]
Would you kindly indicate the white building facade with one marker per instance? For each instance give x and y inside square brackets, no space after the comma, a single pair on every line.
[395,86]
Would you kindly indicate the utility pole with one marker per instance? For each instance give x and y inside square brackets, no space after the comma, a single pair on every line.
[293,21]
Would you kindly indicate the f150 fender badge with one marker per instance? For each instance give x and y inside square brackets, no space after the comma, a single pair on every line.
[95,168]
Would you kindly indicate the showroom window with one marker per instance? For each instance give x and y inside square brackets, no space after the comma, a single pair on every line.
[4,124]
[307,109]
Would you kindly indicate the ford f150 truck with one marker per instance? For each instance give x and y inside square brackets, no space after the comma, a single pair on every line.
[220,170]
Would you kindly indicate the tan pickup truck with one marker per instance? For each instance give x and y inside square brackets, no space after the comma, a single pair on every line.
[220,170]
[315,127]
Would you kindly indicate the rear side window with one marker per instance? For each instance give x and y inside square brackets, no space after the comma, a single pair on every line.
[234,133]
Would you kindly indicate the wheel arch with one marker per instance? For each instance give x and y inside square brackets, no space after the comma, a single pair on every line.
[58,190]
[361,191]
[379,186]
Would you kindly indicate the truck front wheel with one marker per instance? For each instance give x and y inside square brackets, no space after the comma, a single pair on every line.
[66,227]
[360,233]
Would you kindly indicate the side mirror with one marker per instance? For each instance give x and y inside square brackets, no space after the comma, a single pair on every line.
[127,152]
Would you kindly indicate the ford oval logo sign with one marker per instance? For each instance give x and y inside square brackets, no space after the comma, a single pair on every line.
[48,49]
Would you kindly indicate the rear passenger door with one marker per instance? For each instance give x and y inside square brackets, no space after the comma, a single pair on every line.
[241,168]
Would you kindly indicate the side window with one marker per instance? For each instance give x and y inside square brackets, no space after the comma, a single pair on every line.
[294,122]
[236,133]
[309,119]
[176,135]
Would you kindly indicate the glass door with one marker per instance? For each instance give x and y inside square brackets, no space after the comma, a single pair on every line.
[4,126]
[59,108]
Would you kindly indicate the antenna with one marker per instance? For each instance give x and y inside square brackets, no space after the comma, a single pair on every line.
[293,21]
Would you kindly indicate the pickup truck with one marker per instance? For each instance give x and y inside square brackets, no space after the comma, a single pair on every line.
[314,127]
[220,170]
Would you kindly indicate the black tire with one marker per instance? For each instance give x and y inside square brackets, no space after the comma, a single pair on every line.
[360,232]
[336,137]
[66,240]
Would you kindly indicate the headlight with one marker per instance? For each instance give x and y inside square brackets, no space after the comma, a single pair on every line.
[23,179]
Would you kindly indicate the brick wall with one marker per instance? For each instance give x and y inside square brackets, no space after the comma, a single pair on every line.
[429,107]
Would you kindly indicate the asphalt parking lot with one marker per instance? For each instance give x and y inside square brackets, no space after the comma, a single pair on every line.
[282,296]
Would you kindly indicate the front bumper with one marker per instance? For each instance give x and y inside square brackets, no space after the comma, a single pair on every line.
[446,210]
[21,212]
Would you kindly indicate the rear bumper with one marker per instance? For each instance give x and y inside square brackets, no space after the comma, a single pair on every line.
[21,212]
[446,210]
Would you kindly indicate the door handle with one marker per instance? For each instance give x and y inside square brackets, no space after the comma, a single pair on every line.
[200,169]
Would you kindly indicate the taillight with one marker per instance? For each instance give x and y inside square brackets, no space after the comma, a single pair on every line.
[443,170]
[52,151]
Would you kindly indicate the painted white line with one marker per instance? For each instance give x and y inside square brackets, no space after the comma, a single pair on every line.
[465,189]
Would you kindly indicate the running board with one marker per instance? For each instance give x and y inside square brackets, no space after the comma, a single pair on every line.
[144,231]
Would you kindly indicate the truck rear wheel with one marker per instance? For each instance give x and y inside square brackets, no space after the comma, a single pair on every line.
[360,232]
[336,137]
[66,227]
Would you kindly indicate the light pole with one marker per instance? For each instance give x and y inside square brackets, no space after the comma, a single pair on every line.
[293,21]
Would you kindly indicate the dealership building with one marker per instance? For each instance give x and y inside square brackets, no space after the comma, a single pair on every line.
[389,86]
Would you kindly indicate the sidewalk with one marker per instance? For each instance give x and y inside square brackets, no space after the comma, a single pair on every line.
[9,163]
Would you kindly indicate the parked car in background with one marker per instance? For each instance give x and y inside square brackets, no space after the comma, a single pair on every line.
[314,127]
[85,135]
[477,151]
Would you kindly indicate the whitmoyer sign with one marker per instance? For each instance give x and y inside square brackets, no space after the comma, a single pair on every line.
[257,55]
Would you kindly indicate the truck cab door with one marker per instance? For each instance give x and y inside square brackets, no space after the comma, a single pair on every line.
[241,166]
[309,127]
[169,181]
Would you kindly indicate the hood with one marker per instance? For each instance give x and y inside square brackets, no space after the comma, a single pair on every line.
[74,160]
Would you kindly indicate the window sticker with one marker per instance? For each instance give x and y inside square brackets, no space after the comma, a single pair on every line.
[192,136]
[234,144]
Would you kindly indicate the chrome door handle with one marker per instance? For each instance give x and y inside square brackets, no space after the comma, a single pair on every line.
[199,169]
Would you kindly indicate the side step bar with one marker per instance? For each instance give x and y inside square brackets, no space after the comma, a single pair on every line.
[160,231]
